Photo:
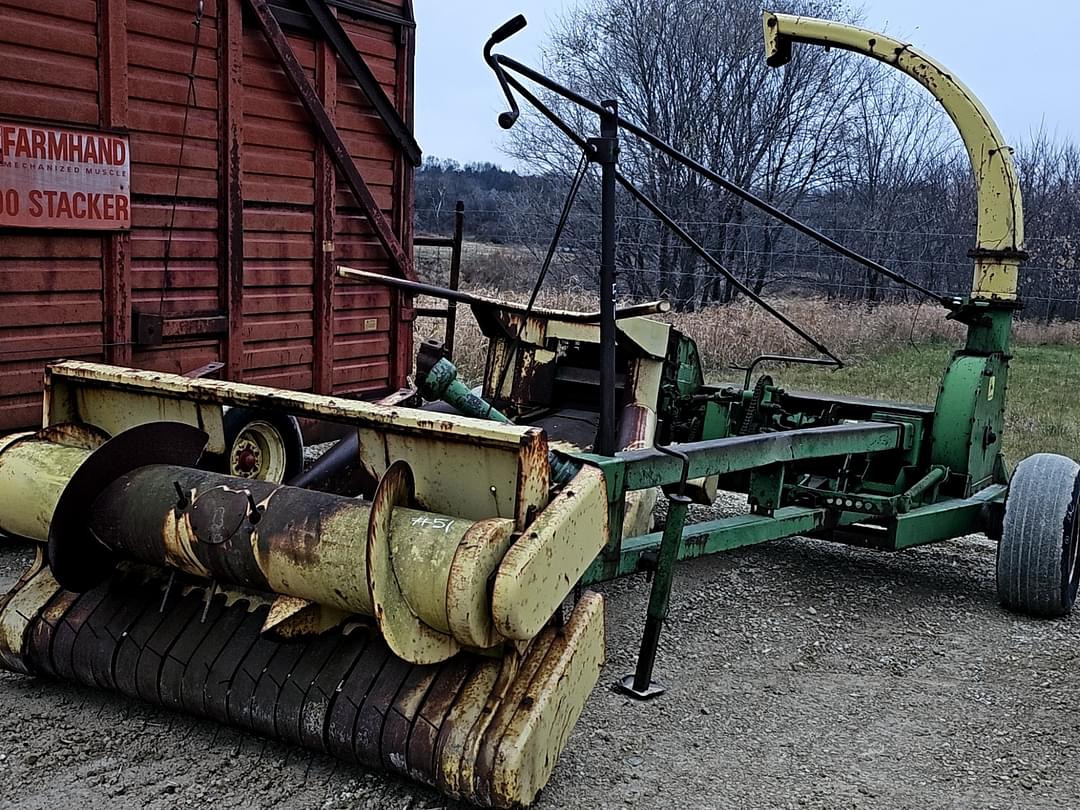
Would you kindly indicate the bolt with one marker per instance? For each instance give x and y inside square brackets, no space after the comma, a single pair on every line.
[255,511]
[182,502]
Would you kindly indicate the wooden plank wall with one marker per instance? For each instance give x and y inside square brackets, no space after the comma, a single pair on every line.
[123,64]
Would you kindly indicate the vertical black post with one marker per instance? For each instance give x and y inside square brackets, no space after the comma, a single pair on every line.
[607,155]
[455,276]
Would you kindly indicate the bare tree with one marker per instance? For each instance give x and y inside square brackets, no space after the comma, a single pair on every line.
[692,72]
[839,141]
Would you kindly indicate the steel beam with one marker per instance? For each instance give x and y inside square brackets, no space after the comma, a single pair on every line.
[309,97]
[941,521]
[710,537]
[339,40]
[653,468]
[231,195]
[325,228]
[113,98]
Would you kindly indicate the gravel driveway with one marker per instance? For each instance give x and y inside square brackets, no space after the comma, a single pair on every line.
[800,674]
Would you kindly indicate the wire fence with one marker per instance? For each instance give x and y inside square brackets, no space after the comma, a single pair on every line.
[504,249]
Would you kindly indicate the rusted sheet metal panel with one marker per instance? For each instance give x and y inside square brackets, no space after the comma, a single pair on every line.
[252,236]
[364,322]
[279,274]
[177,276]
[49,304]
[50,294]
[32,35]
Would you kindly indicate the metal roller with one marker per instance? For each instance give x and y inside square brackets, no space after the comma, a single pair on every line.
[483,729]
[423,576]
[362,628]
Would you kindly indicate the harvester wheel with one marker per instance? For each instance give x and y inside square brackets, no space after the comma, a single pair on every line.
[1038,561]
[262,445]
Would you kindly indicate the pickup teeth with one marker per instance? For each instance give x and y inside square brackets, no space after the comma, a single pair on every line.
[480,728]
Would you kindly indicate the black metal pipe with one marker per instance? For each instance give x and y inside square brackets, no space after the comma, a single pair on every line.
[330,464]
[671,224]
[606,153]
[435,291]
[455,276]
[749,197]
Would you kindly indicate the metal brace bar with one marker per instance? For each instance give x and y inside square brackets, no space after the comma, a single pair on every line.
[279,43]
[352,59]
[651,467]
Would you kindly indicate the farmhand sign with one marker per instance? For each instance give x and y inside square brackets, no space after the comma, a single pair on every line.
[63,178]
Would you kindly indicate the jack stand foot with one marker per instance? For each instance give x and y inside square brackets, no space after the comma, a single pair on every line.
[626,686]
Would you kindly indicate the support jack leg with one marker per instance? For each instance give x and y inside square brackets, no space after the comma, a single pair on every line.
[640,684]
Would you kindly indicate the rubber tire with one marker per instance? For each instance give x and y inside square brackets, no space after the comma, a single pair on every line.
[235,419]
[1037,554]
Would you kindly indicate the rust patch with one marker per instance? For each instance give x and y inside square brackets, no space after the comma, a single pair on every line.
[74,434]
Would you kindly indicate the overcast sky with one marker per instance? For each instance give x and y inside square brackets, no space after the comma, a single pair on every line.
[1013,54]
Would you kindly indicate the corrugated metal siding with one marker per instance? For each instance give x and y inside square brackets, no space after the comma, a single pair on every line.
[279,198]
[50,289]
[160,37]
[49,52]
[362,314]
[51,283]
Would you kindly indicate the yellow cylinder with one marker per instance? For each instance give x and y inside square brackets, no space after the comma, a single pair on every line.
[422,546]
[33,474]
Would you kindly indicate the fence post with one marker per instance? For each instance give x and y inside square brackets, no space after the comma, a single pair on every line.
[455,276]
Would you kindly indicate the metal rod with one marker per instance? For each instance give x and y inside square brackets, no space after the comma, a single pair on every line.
[334,462]
[455,276]
[607,155]
[662,215]
[723,182]
[419,287]
[917,489]
[784,358]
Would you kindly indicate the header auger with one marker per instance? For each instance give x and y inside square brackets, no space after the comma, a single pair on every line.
[429,614]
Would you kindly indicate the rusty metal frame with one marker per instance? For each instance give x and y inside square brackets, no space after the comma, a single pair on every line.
[112,94]
[343,47]
[325,225]
[309,97]
[231,89]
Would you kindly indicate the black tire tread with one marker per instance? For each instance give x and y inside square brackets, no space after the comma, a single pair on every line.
[1038,509]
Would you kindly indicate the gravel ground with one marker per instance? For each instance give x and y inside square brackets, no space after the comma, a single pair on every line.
[800,674]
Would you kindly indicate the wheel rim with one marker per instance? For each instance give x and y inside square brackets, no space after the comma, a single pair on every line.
[1072,570]
[258,452]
